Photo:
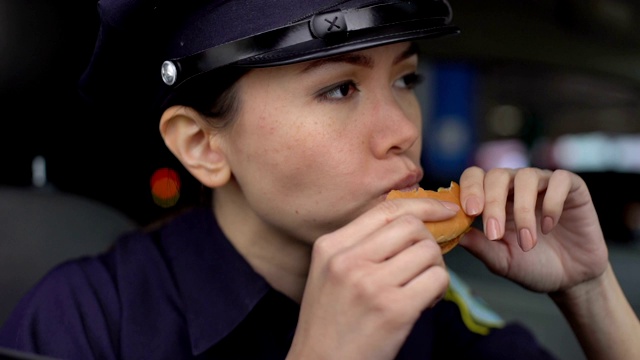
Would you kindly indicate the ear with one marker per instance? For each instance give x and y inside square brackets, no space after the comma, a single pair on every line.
[195,144]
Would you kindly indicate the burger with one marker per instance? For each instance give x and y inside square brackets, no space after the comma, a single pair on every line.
[447,233]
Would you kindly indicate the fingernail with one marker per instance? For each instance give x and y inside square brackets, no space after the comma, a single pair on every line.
[450,206]
[547,224]
[472,206]
[525,240]
[493,229]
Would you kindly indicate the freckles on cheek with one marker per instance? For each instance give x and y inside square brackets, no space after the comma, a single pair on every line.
[265,127]
[271,143]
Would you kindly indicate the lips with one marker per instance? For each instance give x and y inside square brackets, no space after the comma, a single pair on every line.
[409,182]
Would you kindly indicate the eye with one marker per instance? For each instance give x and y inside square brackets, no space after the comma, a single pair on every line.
[338,92]
[409,81]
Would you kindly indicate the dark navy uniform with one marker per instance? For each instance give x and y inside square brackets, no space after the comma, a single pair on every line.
[181,291]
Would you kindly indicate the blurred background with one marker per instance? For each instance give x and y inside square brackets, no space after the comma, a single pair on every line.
[553,84]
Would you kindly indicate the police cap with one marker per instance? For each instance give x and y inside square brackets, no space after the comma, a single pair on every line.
[148,48]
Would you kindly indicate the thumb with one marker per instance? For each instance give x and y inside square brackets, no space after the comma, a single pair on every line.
[493,253]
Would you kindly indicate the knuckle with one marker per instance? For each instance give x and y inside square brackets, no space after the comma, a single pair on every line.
[340,266]
[562,174]
[411,221]
[498,175]
[430,248]
[323,246]
[389,209]
[441,278]
[476,169]
[524,209]
[528,173]
[493,201]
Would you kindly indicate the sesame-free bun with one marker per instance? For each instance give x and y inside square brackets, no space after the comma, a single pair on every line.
[447,232]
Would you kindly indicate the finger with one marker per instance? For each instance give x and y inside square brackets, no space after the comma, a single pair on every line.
[388,211]
[392,239]
[528,183]
[412,261]
[428,287]
[472,190]
[498,183]
[560,184]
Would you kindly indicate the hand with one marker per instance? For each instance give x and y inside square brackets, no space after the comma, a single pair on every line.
[543,228]
[370,281]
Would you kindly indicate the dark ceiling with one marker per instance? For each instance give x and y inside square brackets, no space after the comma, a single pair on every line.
[575,63]
[600,36]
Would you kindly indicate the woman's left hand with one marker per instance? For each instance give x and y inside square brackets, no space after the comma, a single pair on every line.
[541,229]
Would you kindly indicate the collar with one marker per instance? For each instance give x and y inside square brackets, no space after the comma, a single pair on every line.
[218,287]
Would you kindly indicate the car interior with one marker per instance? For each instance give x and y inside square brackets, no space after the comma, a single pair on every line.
[553,84]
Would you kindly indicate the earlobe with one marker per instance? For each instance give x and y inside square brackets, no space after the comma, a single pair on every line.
[196,145]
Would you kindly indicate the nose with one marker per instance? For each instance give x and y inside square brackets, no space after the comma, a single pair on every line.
[397,124]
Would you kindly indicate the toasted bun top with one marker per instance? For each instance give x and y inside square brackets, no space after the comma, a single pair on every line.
[447,230]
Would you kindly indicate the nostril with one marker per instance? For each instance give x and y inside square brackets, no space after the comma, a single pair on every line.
[396,137]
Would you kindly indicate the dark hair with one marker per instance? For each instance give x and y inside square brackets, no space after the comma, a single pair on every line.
[213,94]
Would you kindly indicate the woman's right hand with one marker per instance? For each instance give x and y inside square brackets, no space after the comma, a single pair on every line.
[369,282]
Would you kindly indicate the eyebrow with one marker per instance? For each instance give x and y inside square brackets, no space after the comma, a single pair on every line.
[359,59]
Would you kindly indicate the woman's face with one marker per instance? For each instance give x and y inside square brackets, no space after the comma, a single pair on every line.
[316,144]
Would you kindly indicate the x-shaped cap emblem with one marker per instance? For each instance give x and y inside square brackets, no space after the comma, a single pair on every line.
[327,24]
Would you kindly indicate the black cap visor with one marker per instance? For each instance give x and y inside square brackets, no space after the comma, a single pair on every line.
[325,34]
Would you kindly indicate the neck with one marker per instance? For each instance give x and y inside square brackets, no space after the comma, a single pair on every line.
[281,259]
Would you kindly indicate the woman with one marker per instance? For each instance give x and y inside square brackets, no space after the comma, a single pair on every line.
[301,124]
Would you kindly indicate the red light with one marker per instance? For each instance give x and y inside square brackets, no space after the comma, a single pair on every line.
[165,187]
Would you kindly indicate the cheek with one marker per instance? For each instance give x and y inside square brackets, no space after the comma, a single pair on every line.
[298,165]
[274,148]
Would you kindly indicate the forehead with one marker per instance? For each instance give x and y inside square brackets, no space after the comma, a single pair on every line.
[366,58]
[387,55]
